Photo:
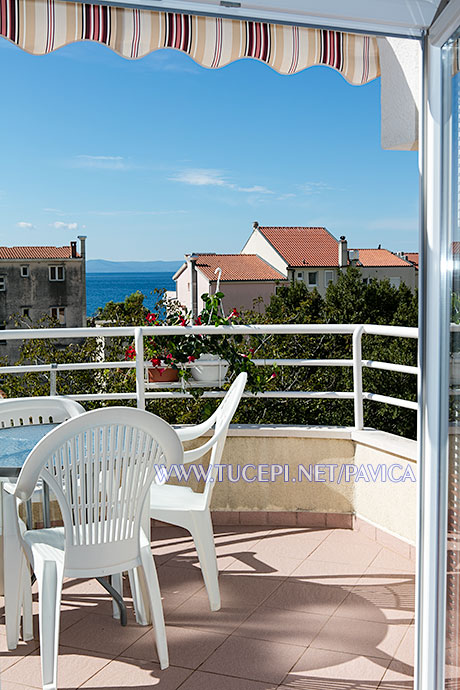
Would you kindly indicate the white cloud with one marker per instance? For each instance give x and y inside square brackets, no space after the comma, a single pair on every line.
[208,177]
[256,189]
[59,225]
[100,162]
[201,177]
[24,225]
[314,187]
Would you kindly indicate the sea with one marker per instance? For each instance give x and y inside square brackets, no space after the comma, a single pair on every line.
[114,287]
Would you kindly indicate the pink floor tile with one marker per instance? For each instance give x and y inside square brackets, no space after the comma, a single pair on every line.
[245,589]
[307,597]
[389,561]
[262,563]
[187,647]
[318,669]
[134,673]
[74,668]
[9,658]
[328,573]
[370,606]
[253,659]
[364,638]
[277,625]
[397,677]
[346,546]
[195,613]
[211,681]
[102,634]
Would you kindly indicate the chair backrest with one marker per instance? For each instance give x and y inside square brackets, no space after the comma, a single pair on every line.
[38,410]
[222,416]
[100,466]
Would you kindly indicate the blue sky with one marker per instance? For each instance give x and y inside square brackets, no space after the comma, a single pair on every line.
[156,157]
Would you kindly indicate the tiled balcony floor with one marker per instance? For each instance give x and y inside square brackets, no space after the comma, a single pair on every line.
[303,609]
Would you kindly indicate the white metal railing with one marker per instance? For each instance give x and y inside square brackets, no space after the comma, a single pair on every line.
[138,333]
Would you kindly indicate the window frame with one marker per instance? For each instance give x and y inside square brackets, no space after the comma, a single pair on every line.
[55,268]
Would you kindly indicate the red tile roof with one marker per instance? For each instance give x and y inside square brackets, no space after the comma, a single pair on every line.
[380,257]
[237,267]
[36,253]
[315,246]
[303,246]
[412,257]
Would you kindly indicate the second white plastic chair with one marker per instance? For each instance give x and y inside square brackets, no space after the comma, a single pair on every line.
[180,505]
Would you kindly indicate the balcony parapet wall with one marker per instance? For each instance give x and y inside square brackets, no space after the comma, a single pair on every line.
[351,473]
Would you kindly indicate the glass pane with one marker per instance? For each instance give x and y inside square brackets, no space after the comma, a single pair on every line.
[453,537]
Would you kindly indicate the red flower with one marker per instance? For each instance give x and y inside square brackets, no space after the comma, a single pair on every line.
[130,352]
[273,376]
[191,358]
[169,356]
[251,350]
[182,321]
[198,321]
[233,315]
[151,318]
[155,361]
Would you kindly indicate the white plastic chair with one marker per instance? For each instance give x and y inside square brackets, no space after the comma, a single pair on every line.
[100,467]
[37,410]
[180,505]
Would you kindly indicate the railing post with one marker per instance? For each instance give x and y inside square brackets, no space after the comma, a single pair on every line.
[53,383]
[140,388]
[358,377]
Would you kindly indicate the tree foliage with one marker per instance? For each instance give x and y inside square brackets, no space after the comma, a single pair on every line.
[348,300]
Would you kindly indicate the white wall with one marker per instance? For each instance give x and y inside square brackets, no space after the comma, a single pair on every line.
[257,244]
[400,64]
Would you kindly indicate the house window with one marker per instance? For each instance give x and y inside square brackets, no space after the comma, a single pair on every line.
[395,282]
[299,276]
[328,277]
[2,283]
[58,313]
[312,278]
[24,271]
[26,312]
[57,273]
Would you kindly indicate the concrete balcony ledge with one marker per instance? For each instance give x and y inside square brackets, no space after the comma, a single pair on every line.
[317,476]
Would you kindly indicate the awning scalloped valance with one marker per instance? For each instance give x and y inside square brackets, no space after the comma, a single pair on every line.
[41,26]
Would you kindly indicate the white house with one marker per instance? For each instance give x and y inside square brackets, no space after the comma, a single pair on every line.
[246,280]
[315,256]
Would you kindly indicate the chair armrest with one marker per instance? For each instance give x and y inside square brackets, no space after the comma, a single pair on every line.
[189,433]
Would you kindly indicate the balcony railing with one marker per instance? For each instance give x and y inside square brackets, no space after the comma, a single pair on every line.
[143,392]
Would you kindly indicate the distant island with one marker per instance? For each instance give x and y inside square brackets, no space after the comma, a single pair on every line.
[103,266]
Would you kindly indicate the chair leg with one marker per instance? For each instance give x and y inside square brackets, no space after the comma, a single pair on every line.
[117,584]
[141,608]
[49,578]
[13,585]
[200,528]
[27,616]
[156,606]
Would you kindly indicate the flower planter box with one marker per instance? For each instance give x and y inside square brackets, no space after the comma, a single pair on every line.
[162,374]
[213,369]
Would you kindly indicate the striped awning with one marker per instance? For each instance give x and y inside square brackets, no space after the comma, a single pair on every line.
[41,26]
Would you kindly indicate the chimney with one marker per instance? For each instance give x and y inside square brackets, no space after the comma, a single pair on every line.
[191,260]
[343,252]
[82,239]
[73,250]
